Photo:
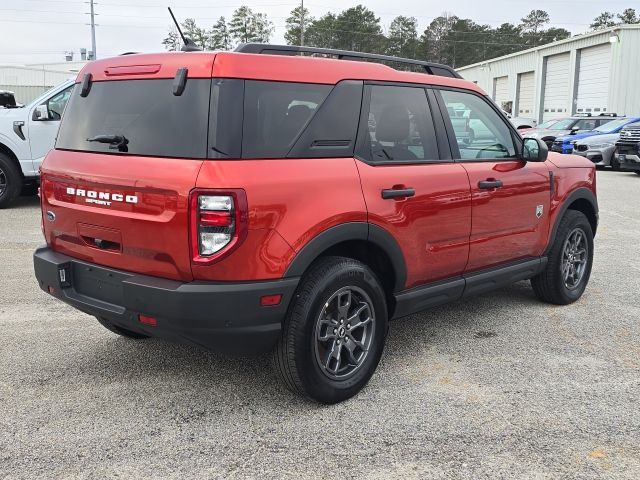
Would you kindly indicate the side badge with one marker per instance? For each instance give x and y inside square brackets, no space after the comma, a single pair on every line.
[51,216]
[539,210]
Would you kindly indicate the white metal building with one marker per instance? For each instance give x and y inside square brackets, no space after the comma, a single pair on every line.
[28,82]
[592,73]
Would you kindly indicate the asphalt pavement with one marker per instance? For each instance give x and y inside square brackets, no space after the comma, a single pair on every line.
[498,386]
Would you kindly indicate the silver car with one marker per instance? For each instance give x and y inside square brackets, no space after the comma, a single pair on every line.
[565,126]
[599,149]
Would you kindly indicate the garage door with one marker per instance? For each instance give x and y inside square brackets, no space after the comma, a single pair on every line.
[526,92]
[593,79]
[556,87]
[501,91]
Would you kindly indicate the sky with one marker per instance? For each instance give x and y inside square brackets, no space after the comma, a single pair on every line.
[41,31]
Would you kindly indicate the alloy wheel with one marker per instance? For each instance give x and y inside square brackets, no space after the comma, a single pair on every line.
[575,253]
[343,332]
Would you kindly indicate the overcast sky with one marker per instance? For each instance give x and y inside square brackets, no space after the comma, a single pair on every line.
[39,31]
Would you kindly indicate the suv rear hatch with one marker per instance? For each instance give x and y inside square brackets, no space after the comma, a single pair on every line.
[115,191]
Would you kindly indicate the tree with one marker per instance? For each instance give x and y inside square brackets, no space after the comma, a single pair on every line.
[172,41]
[195,33]
[294,25]
[246,26]
[533,22]
[322,32]
[434,39]
[219,36]
[604,20]
[359,29]
[402,40]
[628,17]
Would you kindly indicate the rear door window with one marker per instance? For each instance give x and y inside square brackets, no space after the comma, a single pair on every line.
[400,125]
[275,113]
[145,112]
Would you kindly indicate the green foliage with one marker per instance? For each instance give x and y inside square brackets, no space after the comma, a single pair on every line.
[628,17]
[294,25]
[219,36]
[402,40]
[608,19]
[246,26]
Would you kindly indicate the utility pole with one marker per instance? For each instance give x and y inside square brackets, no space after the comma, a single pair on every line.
[93,31]
[302,24]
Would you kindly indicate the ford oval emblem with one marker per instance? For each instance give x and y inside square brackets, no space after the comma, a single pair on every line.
[51,216]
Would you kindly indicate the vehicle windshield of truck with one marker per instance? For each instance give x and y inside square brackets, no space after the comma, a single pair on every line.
[610,127]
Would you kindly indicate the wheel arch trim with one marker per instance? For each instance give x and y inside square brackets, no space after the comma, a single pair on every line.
[360,231]
[581,193]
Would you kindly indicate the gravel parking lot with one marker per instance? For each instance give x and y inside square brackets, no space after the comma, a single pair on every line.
[499,386]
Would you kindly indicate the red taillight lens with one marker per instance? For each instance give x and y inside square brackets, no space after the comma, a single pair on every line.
[215,219]
[218,223]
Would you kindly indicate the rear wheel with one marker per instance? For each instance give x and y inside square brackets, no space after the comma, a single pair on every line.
[123,332]
[568,269]
[334,333]
[10,181]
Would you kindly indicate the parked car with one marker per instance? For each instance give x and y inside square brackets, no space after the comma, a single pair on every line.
[567,125]
[239,201]
[26,135]
[520,123]
[628,148]
[566,144]
[600,149]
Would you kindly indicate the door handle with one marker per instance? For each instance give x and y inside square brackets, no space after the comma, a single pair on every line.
[489,183]
[398,193]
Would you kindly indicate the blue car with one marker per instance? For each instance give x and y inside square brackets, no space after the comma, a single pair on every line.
[565,144]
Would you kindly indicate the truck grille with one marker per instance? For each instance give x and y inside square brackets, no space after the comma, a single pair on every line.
[630,135]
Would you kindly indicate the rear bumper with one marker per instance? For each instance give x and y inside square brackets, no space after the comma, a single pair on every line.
[218,316]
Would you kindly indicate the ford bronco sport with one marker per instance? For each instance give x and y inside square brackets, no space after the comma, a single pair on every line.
[257,200]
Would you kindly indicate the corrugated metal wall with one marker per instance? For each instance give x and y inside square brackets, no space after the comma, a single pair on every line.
[29,83]
[623,95]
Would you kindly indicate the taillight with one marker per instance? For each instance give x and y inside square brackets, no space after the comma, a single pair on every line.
[218,221]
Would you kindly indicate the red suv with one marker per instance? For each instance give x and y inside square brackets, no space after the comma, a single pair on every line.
[256,200]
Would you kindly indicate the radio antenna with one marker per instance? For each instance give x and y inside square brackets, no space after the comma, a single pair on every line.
[189,45]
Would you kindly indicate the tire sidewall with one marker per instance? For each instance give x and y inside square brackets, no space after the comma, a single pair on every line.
[315,382]
[575,221]
[14,181]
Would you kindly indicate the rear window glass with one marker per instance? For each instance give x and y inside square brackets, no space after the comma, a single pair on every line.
[145,112]
[275,113]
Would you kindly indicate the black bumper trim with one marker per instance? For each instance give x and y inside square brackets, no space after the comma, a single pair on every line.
[219,316]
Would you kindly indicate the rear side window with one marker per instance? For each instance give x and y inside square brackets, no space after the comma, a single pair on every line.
[400,125]
[275,113]
[145,112]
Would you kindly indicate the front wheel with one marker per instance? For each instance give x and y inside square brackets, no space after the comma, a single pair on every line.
[334,333]
[568,269]
[10,181]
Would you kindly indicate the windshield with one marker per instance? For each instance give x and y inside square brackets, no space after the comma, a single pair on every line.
[547,124]
[609,127]
[138,117]
[564,124]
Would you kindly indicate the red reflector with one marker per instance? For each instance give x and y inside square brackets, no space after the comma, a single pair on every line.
[146,320]
[52,290]
[270,300]
[215,219]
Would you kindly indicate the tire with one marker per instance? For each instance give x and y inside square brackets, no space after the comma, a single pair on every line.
[304,359]
[123,332]
[614,163]
[551,285]
[10,181]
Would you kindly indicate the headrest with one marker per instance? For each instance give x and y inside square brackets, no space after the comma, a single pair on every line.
[394,124]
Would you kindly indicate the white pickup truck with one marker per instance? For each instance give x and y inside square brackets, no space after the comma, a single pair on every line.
[26,135]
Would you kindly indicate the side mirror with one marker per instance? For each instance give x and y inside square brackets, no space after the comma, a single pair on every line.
[534,150]
[574,130]
[41,112]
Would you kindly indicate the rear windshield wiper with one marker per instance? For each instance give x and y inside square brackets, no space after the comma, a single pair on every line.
[119,142]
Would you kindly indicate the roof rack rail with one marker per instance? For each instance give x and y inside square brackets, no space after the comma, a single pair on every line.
[608,114]
[426,67]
